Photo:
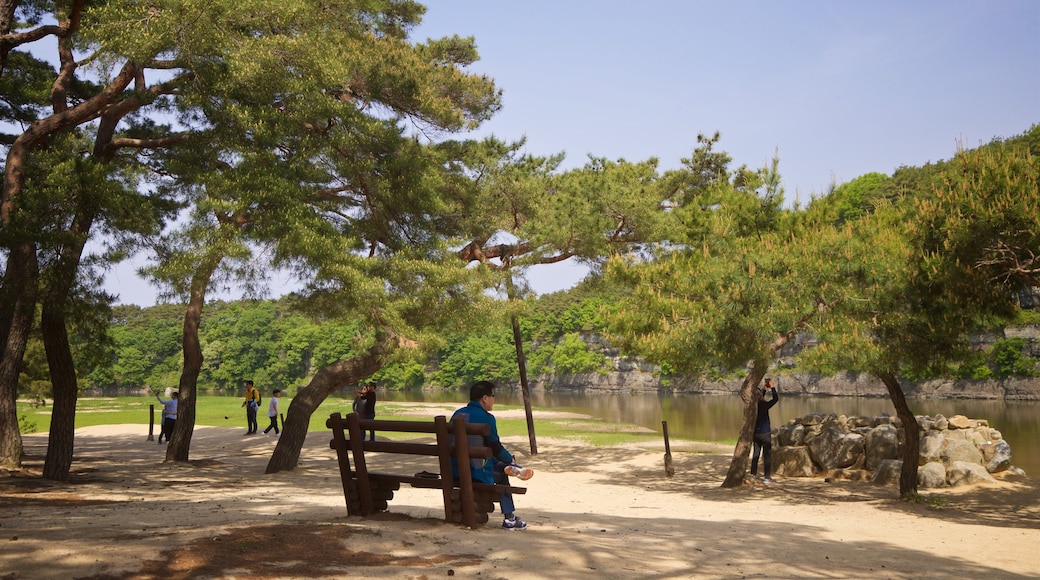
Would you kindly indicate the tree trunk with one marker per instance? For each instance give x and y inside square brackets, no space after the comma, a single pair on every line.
[17,312]
[53,324]
[180,444]
[739,465]
[60,442]
[330,378]
[911,437]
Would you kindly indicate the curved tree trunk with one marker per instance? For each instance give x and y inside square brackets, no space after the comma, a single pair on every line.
[911,436]
[180,444]
[330,378]
[61,437]
[738,466]
[60,441]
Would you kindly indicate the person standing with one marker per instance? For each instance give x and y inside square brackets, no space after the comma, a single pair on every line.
[763,439]
[252,404]
[493,470]
[369,395]
[359,402]
[272,411]
[169,415]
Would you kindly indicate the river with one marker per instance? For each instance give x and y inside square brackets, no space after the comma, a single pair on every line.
[718,417]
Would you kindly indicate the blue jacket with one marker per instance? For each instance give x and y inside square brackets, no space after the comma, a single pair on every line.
[483,470]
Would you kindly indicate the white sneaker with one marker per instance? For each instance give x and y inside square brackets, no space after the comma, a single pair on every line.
[521,473]
[514,524]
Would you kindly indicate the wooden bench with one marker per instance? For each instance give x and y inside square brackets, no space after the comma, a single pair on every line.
[465,501]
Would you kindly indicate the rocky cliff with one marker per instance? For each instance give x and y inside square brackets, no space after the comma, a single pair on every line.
[629,374]
[843,385]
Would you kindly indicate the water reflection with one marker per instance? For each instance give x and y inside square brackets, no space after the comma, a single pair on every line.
[718,417]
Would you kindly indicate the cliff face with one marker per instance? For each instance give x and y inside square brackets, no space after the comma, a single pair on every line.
[630,374]
[843,385]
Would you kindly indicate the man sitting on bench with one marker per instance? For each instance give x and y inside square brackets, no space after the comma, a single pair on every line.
[481,401]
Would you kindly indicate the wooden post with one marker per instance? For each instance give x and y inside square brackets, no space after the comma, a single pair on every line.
[469,508]
[151,422]
[524,388]
[444,454]
[335,422]
[669,470]
[357,443]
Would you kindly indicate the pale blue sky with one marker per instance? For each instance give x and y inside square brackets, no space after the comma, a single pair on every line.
[836,88]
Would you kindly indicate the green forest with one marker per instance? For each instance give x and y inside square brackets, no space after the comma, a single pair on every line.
[222,142]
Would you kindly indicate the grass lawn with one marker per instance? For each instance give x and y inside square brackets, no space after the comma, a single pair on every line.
[228,412]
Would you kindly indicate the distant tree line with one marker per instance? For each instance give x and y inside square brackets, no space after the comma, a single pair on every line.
[278,347]
[267,341]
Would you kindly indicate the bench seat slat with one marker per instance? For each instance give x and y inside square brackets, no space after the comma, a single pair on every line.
[430,483]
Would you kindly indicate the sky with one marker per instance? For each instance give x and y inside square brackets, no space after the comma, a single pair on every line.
[834,89]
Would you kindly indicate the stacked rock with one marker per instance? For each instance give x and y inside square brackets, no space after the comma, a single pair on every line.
[952,451]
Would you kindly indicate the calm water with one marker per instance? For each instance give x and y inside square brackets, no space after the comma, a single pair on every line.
[718,417]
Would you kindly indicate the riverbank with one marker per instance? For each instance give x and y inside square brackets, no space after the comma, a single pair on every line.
[593,512]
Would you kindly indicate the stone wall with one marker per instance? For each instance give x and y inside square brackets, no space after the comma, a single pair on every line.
[952,451]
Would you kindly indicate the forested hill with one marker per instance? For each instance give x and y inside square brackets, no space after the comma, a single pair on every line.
[564,344]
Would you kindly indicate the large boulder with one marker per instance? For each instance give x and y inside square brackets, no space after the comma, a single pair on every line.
[834,448]
[791,461]
[881,442]
[888,471]
[931,475]
[940,423]
[791,434]
[961,422]
[813,419]
[996,456]
[967,473]
[811,432]
[930,448]
[961,450]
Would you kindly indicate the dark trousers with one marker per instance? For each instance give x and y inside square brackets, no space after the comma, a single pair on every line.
[251,420]
[167,428]
[371,432]
[506,499]
[273,425]
[763,445]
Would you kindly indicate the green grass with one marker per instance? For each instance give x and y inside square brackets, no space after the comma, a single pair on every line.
[591,431]
[211,410]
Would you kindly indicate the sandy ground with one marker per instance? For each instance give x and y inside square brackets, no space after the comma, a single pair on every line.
[593,512]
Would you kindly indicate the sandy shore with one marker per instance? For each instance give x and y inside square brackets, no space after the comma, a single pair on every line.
[593,512]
